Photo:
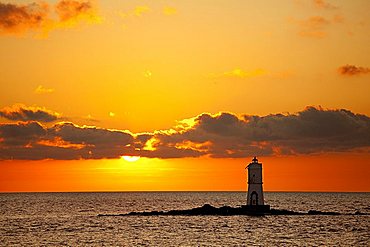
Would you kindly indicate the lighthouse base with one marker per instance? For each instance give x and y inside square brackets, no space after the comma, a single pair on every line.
[256,209]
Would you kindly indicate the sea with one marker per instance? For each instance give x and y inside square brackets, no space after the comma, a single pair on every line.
[71,219]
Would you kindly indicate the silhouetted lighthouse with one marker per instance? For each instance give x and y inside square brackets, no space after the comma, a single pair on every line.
[255,191]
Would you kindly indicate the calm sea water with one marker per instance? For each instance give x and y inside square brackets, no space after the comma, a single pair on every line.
[70,219]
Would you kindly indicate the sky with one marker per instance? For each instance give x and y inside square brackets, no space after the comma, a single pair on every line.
[180,95]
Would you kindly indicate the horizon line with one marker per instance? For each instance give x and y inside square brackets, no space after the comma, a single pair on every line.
[178,191]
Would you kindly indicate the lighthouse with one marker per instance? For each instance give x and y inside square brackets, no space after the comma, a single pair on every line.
[255,191]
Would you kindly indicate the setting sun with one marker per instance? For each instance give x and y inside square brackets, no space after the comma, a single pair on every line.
[130,158]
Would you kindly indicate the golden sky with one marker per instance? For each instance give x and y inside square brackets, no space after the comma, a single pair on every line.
[195,88]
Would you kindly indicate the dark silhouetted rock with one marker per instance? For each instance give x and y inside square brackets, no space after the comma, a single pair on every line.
[360,213]
[207,209]
[316,212]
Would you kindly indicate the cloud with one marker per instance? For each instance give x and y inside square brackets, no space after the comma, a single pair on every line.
[19,134]
[140,10]
[43,90]
[338,18]
[90,118]
[63,141]
[40,17]
[21,112]
[90,135]
[239,73]
[68,10]
[16,18]
[222,135]
[167,10]
[313,26]
[352,70]
[317,26]
[312,130]
[322,4]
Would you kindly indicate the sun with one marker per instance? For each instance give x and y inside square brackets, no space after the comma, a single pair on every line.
[130,158]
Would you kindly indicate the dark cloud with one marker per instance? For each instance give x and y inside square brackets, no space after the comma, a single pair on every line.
[65,141]
[90,135]
[311,131]
[40,17]
[352,70]
[70,9]
[20,134]
[24,113]
[18,18]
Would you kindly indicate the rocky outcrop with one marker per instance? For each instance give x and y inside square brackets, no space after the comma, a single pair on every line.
[207,209]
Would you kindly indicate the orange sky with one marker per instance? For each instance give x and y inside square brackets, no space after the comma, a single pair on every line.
[343,172]
[196,87]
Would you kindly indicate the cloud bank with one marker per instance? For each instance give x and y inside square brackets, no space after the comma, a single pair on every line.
[39,17]
[21,112]
[310,131]
[64,141]
[222,135]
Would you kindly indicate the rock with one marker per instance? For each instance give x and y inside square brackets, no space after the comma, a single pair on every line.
[208,209]
[360,213]
[316,212]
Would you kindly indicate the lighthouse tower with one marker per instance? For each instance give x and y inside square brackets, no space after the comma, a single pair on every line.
[255,191]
